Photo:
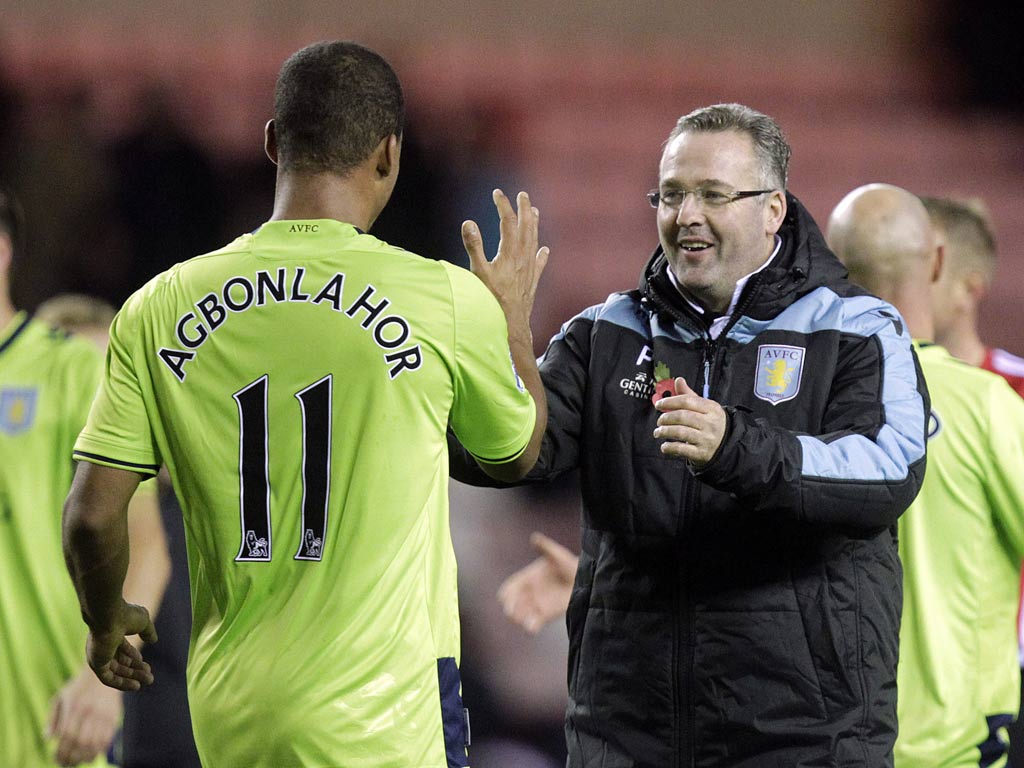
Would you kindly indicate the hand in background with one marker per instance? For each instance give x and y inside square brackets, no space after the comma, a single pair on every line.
[538,593]
[84,716]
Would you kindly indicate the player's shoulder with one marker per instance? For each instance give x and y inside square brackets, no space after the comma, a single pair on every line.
[163,287]
[968,382]
[1006,363]
[51,340]
[203,263]
[371,244]
[465,285]
[60,351]
[935,357]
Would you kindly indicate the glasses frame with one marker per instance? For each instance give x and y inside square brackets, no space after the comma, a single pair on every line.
[654,197]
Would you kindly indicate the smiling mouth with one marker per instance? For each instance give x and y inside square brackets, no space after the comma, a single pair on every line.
[694,247]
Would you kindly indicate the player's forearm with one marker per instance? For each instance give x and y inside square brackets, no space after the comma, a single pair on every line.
[95,538]
[521,345]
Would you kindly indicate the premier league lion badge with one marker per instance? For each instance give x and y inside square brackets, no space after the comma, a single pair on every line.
[779,370]
[17,410]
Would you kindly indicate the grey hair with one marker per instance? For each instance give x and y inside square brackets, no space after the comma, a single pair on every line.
[770,146]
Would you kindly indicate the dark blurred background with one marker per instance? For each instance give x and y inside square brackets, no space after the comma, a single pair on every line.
[133,133]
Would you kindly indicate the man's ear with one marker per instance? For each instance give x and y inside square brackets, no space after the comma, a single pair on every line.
[775,213]
[387,153]
[270,141]
[6,252]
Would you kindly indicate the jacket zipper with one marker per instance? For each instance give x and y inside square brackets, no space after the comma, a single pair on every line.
[710,348]
[685,718]
[685,715]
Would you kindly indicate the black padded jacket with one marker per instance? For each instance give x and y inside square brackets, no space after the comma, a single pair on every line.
[747,615]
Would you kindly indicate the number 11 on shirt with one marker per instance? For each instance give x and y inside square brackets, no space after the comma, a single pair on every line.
[253,469]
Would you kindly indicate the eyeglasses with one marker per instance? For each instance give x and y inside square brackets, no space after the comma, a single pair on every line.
[711,198]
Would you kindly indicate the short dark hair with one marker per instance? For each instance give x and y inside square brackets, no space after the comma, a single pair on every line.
[967,226]
[333,103]
[12,219]
[770,146]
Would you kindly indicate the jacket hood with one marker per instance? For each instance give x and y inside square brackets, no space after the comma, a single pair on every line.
[804,263]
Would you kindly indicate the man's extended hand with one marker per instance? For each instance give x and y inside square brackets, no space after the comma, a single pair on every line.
[692,426]
[516,269]
[512,278]
[116,662]
[84,717]
[538,593]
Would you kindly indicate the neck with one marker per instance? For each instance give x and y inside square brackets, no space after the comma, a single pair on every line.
[962,341]
[911,302]
[7,310]
[916,311]
[324,196]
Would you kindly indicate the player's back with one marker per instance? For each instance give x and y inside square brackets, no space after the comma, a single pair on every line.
[299,384]
[961,542]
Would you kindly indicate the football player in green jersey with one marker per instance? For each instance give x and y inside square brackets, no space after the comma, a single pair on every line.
[53,711]
[299,384]
[962,540]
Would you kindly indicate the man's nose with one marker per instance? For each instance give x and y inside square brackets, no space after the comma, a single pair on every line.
[690,211]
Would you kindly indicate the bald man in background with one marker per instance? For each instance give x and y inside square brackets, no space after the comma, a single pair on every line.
[962,540]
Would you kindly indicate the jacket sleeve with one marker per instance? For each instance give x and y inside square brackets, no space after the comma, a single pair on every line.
[866,463]
[563,369]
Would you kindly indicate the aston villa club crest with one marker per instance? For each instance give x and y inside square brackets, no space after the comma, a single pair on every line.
[780,368]
[17,410]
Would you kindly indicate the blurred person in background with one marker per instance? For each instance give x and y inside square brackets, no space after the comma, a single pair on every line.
[62,176]
[80,314]
[298,384]
[748,426]
[157,730]
[53,711]
[165,188]
[962,540]
[969,248]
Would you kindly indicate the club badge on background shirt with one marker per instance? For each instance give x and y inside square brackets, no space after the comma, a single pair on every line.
[17,409]
[780,368]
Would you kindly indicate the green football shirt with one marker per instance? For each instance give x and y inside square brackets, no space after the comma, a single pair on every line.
[47,381]
[961,542]
[299,384]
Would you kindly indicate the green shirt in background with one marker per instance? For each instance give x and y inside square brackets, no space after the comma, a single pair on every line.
[47,381]
[961,543]
[299,384]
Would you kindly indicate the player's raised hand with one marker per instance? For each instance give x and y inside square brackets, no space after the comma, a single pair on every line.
[513,274]
[116,662]
[692,426]
[539,593]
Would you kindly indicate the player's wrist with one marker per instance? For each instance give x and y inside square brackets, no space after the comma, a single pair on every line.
[105,622]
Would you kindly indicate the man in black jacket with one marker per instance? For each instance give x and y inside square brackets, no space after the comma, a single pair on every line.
[748,427]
